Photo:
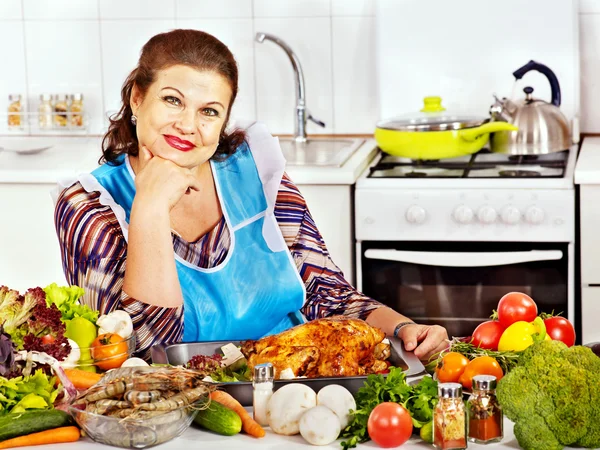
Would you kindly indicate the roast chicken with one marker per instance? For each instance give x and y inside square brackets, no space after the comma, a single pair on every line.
[331,347]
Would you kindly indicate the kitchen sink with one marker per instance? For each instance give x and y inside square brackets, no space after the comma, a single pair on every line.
[323,152]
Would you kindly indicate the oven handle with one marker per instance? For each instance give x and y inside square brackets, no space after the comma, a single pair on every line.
[463,259]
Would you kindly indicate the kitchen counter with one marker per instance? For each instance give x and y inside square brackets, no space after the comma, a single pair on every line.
[587,170]
[197,438]
[69,156]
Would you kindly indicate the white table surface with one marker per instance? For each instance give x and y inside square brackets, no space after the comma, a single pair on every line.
[195,438]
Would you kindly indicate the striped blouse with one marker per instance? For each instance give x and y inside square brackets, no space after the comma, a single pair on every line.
[94,252]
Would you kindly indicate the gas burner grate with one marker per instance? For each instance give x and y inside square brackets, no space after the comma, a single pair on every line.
[483,164]
[519,173]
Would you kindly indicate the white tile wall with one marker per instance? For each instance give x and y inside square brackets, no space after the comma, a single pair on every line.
[91,45]
[70,63]
[206,9]
[137,9]
[14,77]
[60,9]
[292,8]
[11,9]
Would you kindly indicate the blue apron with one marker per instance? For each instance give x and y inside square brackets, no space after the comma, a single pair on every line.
[256,290]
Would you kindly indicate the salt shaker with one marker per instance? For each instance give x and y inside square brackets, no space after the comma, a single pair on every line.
[263,390]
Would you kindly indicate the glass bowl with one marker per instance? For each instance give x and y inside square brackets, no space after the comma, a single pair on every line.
[106,357]
[134,432]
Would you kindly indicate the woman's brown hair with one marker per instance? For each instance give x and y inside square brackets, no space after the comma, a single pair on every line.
[193,48]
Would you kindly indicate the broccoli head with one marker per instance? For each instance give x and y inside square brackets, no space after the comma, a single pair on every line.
[552,396]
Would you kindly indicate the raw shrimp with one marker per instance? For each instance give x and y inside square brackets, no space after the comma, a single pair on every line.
[183,398]
[137,397]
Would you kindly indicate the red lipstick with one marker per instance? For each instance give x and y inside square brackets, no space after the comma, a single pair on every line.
[179,144]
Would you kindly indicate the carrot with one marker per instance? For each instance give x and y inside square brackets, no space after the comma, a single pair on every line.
[82,379]
[249,425]
[52,436]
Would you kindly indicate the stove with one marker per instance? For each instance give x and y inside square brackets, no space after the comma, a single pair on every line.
[442,241]
[483,164]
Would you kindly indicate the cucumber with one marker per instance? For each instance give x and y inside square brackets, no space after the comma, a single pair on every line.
[219,419]
[19,424]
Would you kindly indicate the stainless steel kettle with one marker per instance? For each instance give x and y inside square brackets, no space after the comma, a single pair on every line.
[543,128]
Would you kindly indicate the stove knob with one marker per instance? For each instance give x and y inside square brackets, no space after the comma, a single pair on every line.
[463,214]
[511,215]
[534,215]
[487,214]
[416,214]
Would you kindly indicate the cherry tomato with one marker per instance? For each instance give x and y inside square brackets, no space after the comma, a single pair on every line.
[451,367]
[109,351]
[389,424]
[515,307]
[560,329]
[48,339]
[482,365]
[487,335]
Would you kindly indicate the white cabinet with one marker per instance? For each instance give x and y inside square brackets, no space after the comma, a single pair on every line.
[331,209]
[590,312]
[29,251]
[587,175]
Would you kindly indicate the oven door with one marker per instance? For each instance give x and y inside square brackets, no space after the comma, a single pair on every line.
[458,284]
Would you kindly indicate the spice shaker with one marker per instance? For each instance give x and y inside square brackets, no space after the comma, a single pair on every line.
[15,109]
[45,110]
[60,110]
[262,383]
[76,110]
[449,418]
[484,411]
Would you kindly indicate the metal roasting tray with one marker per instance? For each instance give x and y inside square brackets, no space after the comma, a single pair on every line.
[180,354]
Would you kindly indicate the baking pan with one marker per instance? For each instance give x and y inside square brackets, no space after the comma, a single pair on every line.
[180,354]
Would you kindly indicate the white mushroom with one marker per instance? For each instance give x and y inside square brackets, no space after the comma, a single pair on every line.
[320,426]
[286,406]
[338,399]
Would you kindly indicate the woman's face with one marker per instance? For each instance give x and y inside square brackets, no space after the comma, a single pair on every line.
[181,116]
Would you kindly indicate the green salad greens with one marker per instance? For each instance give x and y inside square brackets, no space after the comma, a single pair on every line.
[35,391]
[418,399]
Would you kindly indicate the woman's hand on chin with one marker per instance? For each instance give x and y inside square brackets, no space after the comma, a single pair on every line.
[160,182]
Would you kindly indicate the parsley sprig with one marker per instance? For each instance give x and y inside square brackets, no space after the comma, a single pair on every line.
[418,399]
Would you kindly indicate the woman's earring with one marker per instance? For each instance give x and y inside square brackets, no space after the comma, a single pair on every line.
[134,119]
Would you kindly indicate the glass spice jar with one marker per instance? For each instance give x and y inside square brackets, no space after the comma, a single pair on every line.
[15,109]
[484,411]
[449,418]
[60,110]
[76,110]
[45,111]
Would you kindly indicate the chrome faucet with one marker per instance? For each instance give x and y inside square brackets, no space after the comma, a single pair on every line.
[302,113]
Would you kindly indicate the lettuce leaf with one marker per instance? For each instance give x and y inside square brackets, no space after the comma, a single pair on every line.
[66,300]
[35,391]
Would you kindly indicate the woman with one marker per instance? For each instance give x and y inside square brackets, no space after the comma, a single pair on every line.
[197,232]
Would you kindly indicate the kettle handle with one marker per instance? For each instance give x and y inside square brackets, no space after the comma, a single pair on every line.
[554,85]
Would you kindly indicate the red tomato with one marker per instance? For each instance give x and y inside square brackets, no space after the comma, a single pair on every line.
[48,339]
[389,425]
[514,307]
[487,335]
[560,329]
